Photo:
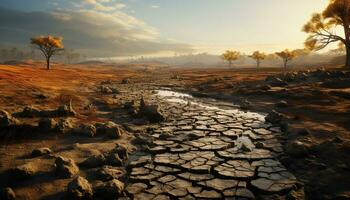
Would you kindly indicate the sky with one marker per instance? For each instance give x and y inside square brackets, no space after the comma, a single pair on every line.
[110,28]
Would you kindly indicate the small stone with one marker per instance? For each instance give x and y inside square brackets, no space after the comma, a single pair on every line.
[80,188]
[41,152]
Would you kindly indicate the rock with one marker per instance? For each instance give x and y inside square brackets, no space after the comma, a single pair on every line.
[114,160]
[303,131]
[87,130]
[276,82]
[108,173]
[274,117]
[109,129]
[110,190]
[65,167]
[245,104]
[125,81]
[47,124]
[41,95]
[122,151]
[7,194]
[108,90]
[151,112]
[79,188]
[24,171]
[64,126]
[65,110]
[29,111]
[296,149]
[6,120]
[282,104]
[40,152]
[94,161]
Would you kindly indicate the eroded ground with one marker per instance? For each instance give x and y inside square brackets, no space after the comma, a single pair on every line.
[197,148]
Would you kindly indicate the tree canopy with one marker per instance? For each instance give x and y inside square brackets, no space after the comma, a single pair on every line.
[322,27]
[231,56]
[258,57]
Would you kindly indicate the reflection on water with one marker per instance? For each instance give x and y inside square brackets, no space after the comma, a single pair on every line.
[182,98]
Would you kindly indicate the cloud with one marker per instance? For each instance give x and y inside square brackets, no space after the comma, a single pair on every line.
[103,5]
[155,6]
[91,32]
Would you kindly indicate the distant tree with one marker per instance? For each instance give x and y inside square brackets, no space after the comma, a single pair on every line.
[258,57]
[49,46]
[70,56]
[341,50]
[286,56]
[322,27]
[230,56]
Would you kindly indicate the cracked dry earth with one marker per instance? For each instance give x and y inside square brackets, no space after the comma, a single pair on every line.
[206,152]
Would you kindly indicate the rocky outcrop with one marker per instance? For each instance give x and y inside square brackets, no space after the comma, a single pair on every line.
[65,167]
[152,112]
[64,126]
[297,149]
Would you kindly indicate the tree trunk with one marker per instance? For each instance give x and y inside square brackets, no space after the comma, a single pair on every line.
[230,63]
[347,56]
[258,63]
[48,63]
[285,64]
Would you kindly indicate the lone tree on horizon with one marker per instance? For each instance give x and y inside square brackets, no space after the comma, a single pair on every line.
[48,45]
[286,56]
[258,57]
[230,56]
[322,27]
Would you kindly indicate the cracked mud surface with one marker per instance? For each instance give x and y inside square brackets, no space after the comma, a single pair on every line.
[207,152]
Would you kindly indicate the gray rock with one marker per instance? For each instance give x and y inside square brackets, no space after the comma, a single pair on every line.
[7,194]
[65,167]
[79,188]
[40,152]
